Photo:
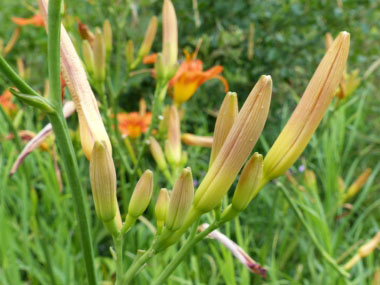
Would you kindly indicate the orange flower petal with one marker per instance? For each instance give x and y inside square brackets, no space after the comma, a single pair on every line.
[149,59]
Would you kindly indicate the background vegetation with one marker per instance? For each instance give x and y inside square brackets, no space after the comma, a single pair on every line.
[37,225]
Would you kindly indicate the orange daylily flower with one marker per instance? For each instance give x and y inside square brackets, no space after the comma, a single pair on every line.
[36,21]
[133,124]
[6,101]
[189,77]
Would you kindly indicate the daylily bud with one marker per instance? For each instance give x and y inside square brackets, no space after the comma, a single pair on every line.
[191,139]
[358,183]
[226,118]
[309,112]
[157,153]
[184,159]
[103,182]
[88,56]
[180,200]
[341,185]
[129,52]
[248,182]
[149,38]
[161,208]
[99,57]
[239,143]
[141,195]
[328,41]
[107,30]
[170,35]
[173,144]
[163,127]
[90,122]
[310,179]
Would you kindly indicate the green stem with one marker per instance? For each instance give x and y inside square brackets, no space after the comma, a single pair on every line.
[118,243]
[313,237]
[182,253]
[159,96]
[63,139]
[136,266]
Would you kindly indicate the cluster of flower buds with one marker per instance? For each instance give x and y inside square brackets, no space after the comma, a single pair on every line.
[95,54]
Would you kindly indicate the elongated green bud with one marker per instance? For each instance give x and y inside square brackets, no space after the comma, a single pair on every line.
[173,143]
[88,56]
[248,182]
[226,118]
[161,208]
[141,195]
[103,182]
[99,57]
[169,35]
[157,153]
[149,37]
[129,52]
[107,30]
[180,200]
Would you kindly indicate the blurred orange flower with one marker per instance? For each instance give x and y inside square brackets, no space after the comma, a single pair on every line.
[133,124]
[36,21]
[6,101]
[189,77]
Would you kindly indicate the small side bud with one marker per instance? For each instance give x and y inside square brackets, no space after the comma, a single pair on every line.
[103,182]
[161,208]
[358,183]
[157,153]
[310,179]
[141,195]
[191,139]
[99,57]
[88,56]
[149,38]
[248,182]
[107,30]
[180,200]
[173,144]
[129,52]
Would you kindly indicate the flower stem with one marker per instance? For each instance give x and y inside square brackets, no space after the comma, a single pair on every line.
[118,243]
[136,266]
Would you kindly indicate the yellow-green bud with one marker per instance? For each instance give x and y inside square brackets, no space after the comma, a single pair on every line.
[248,182]
[88,56]
[161,208]
[181,200]
[99,57]
[157,153]
[149,37]
[226,118]
[129,52]
[173,143]
[141,195]
[103,182]
[310,179]
[107,30]
[169,35]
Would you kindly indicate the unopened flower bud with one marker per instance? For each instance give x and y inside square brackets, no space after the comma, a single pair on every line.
[107,30]
[173,143]
[358,183]
[103,182]
[149,37]
[88,56]
[129,52]
[99,57]
[180,200]
[226,118]
[161,208]
[248,182]
[309,112]
[141,195]
[310,179]
[157,153]
[170,35]
[191,139]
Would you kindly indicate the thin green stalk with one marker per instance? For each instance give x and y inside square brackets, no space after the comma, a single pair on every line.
[181,254]
[118,243]
[136,266]
[63,139]
[159,95]
[330,260]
